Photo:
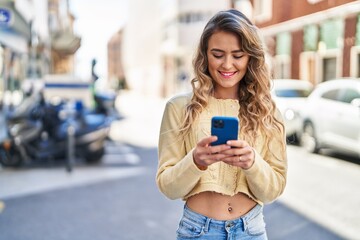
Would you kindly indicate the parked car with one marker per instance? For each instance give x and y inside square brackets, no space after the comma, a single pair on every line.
[332,117]
[289,96]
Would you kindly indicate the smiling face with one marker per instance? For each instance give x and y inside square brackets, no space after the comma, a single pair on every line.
[227,64]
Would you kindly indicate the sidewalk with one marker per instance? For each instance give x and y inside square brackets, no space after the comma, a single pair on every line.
[142,118]
[324,189]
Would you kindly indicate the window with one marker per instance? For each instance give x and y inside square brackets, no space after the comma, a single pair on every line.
[357,36]
[282,68]
[331,33]
[283,43]
[311,36]
[331,95]
[262,10]
[292,93]
[358,68]
[348,94]
[193,17]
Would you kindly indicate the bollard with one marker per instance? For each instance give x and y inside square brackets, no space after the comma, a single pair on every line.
[70,147]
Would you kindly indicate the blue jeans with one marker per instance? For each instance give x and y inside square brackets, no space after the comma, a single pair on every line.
[196,226]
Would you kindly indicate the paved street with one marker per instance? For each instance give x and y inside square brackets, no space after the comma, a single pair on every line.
[115,200]
[118,199]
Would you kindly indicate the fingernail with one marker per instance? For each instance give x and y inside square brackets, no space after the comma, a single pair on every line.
[228,142]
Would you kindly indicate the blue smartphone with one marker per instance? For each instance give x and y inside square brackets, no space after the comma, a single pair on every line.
[225,128]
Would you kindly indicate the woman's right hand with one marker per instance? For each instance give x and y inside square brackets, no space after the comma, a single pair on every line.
[204,154]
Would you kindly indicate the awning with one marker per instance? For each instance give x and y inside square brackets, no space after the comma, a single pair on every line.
[65,43]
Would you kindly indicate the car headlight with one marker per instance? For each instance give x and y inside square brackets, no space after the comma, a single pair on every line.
[289,114]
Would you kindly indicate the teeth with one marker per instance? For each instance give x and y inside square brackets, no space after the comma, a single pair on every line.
[227,74]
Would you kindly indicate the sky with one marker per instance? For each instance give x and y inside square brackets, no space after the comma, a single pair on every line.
[95,22]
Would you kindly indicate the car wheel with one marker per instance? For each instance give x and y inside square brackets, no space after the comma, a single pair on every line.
[292,139]
[308,139]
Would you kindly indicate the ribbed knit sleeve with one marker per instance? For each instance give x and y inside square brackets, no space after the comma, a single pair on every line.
[267,177]
[177,173]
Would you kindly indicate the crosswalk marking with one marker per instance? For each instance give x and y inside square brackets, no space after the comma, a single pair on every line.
[118,159]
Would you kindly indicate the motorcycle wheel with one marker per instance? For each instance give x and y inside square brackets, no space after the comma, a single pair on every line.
[95,157]
[10,158]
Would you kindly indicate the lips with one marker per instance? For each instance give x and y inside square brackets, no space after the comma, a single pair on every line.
[227,74]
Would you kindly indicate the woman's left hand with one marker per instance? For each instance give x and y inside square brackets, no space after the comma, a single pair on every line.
[240,155]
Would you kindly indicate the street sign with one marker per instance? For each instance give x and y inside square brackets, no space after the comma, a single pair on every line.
[6,17]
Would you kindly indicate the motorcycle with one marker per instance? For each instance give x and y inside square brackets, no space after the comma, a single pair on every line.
[105,104]
[40,130]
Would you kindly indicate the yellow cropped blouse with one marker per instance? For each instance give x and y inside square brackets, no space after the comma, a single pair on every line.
[178,177]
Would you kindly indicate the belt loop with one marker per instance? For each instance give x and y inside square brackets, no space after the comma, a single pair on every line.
[207,224]
[244,223]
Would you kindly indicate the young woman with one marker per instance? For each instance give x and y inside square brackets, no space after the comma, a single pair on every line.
[225,186]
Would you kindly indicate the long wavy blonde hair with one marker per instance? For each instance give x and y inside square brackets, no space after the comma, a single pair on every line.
[257,108]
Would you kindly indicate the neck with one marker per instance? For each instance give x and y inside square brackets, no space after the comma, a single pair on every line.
[226,94]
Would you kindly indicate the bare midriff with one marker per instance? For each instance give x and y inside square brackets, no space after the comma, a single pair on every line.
[220,207]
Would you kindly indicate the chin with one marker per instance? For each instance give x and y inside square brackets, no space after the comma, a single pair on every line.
[227,85]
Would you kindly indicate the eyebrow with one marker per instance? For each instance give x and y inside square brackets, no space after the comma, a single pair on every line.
[219,50]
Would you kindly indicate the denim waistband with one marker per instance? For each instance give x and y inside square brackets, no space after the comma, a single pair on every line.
[202,219]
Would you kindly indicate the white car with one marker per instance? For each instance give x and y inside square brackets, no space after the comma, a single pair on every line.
[289,96]
[332,117]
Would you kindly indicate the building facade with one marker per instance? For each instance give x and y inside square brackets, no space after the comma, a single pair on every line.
[64,43]
[36,39]
[15,35]
[182,26]
[141,47]
[160,39]
[315,40]
[116,73]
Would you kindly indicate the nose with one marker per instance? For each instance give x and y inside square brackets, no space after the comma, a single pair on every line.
[228,63]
